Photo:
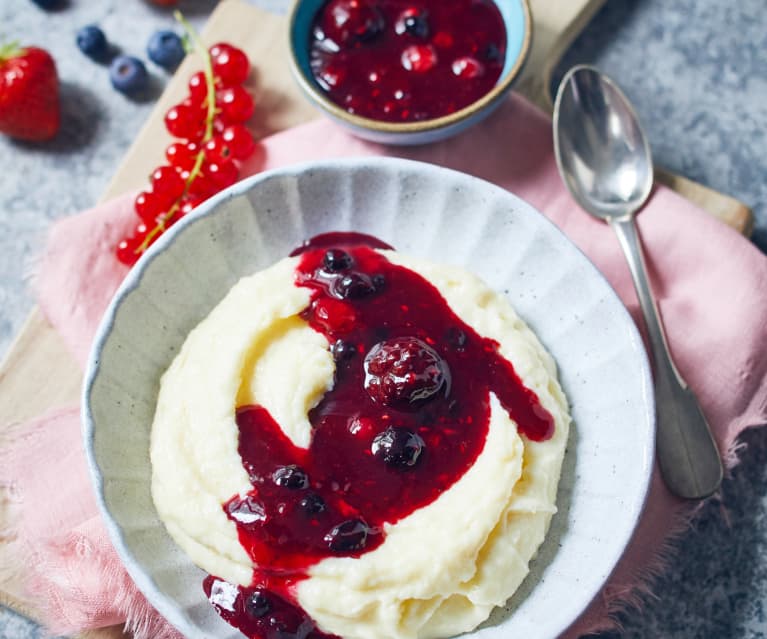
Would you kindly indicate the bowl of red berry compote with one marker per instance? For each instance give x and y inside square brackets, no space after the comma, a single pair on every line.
[408,71]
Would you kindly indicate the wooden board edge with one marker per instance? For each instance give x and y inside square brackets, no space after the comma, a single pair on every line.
[726,208]
[563,44]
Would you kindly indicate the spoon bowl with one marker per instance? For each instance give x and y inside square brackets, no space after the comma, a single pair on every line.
[602,153]
[604,159]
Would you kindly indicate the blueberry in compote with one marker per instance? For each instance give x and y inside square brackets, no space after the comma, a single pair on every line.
[257,604]
[336,260]
[492,52]
[398,447]
[312,504]
[291,477]
[352,21]
[353,286]
[456,338]
[349,535]
[343,351]
[414,22]
[403,371]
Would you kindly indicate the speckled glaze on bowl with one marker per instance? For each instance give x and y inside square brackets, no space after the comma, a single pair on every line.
[518,23]
[420,209]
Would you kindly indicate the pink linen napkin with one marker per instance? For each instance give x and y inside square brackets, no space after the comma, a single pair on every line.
[709,281]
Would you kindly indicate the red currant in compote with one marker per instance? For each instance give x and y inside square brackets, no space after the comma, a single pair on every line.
[368,55]
[349,22]
[468,67]
[419,58]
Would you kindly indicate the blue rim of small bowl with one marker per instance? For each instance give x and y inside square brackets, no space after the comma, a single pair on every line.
[132,280]
[504,84]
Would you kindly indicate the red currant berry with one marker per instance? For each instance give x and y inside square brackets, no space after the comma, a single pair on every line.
[189,203]
[127,251]
[419,58]
[167,182]
[443,40]
[182,155]
[201,186]
[198,88]
[217,150]
[223,174]
[149,206]
[184,121]
[468,68]
[230,64]
[239,141]
[172,219]
[332,76]
[334,316]
[219,124]
[142,230]
[236,104]
[348,22]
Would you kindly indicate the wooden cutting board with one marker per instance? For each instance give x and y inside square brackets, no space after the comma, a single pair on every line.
[39,373]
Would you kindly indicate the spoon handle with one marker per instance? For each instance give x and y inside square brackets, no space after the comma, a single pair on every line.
[688,456]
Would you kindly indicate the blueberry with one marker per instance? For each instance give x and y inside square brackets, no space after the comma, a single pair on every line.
[342,351]
[456,338]
[166,49]
[291,477]
[92,42]
[417,26]
[128,74]
[414,22]
[398,447]
[47,4]
[336,260]
[351,534]
[313,504]
[492,52]
[354,286]
[257,604]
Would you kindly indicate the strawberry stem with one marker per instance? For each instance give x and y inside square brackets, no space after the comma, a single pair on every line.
[10,50]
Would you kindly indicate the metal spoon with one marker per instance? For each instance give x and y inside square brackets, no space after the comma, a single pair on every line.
[605,161]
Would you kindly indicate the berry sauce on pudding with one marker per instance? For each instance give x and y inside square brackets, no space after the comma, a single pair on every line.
[406,61]
[407,416]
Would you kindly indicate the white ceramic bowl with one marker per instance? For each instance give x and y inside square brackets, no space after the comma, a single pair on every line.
[423,210]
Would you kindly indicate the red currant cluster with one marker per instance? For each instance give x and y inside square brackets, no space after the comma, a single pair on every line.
[204,160]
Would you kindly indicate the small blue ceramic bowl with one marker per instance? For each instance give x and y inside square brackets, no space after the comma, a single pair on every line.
[518,22]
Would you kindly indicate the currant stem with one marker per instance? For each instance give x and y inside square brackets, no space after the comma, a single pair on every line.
[197,47]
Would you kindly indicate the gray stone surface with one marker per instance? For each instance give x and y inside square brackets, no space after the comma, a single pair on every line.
[696,70]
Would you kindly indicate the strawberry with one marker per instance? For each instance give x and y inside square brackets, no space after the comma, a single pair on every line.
[29,93]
